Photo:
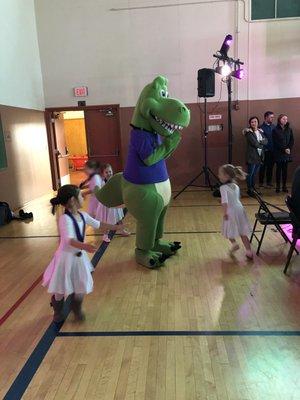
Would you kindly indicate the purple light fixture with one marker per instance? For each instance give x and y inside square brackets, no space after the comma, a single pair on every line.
[226,45]
[239,73]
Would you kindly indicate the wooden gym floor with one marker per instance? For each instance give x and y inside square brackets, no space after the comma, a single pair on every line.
[205,326]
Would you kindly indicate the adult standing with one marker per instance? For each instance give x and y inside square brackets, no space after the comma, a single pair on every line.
[283,141]
[295,198]
[266,169]
[254,152]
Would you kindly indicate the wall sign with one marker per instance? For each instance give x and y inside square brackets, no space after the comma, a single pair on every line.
[81,91]
[213,117]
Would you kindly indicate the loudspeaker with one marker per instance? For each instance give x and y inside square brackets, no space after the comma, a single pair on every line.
[206,82]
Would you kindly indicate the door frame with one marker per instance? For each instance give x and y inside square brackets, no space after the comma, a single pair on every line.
[52,137]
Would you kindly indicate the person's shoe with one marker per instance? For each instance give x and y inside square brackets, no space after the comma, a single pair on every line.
[76,307]
[235,247]
[277,190]
[58,309]
[125,232]
[249,254]
[285,190]
[105,238]
[250,193]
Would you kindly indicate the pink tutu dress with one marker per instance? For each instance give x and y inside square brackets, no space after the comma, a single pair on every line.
[237,223]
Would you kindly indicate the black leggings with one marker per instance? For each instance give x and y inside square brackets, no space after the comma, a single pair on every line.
[281,172]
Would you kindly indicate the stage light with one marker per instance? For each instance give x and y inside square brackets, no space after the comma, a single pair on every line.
[226,45]
[223,70]
[238,73]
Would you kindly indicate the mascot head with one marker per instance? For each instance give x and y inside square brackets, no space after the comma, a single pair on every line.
[157,112]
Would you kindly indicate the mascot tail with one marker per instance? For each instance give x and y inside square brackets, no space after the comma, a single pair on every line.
[110,194]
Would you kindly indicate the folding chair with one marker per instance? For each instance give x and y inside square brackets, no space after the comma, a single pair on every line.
[296,232]
[266,217]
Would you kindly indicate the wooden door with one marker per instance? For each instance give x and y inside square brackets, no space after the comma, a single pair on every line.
[61,151]
[57,149]
[103,135]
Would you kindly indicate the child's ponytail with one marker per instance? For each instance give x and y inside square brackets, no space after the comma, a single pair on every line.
[234,172]
[240,173]
[55,201]
[64,194]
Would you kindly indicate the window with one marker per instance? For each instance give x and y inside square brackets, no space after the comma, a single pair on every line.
[270,9]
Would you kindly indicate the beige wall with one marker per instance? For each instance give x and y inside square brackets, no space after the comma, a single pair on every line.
[28,174]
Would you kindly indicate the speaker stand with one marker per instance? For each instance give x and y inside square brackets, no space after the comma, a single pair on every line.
[205,170]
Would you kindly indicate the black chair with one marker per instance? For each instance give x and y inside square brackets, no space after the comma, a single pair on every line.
[296,232]
[267,217]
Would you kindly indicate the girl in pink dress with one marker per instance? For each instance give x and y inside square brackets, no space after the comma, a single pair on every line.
[109,215]
[235,220]
[91,169]
[69,272]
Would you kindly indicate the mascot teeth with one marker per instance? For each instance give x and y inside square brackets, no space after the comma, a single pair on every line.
[166,125]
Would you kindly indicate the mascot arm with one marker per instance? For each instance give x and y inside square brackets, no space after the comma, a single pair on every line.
[164,150]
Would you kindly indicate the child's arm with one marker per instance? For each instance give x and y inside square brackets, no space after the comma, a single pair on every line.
[82,246]
[97,224]
[224,201]
[112,227]
[67,235]
[225,207]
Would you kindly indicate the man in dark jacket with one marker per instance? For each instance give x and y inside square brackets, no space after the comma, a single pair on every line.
[266,169]
[283,141]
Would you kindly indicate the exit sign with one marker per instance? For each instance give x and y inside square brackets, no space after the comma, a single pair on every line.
[81,91]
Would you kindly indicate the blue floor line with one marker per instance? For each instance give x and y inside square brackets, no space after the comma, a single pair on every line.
[29,369]
[178,333]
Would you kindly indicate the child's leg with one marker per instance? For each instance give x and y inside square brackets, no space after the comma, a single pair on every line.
[234,246]
[247,245]
[57,302]
[76,306]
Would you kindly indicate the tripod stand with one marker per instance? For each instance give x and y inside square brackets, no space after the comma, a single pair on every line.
[205,170]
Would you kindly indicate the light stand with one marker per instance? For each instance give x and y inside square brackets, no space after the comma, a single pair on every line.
[230,135]
[206,171]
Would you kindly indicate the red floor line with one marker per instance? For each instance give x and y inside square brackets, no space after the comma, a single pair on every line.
[20,300]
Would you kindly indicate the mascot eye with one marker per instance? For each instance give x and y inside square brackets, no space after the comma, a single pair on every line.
[164,93]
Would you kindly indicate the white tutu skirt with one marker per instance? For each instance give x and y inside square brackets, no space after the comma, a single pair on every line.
[67,274]
[237,224]
[109,215]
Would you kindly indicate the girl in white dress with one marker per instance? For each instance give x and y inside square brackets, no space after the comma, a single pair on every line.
[106,214]
[91,169]
[235,220]
[69,272]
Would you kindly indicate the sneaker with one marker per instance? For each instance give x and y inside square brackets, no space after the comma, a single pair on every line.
[105,238]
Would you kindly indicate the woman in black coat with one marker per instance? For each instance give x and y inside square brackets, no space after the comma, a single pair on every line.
[283,140]
[254,151]
[295,198]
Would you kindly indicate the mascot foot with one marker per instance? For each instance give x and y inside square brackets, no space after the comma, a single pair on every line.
[166,248]
[150,259]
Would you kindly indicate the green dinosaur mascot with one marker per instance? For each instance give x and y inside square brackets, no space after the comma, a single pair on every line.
[144,186]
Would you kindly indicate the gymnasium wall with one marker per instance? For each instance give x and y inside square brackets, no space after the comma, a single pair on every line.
[115,47]
[27,175]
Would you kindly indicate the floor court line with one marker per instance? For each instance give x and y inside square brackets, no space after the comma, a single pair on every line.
[32,364]
[20,300]
[178,333]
